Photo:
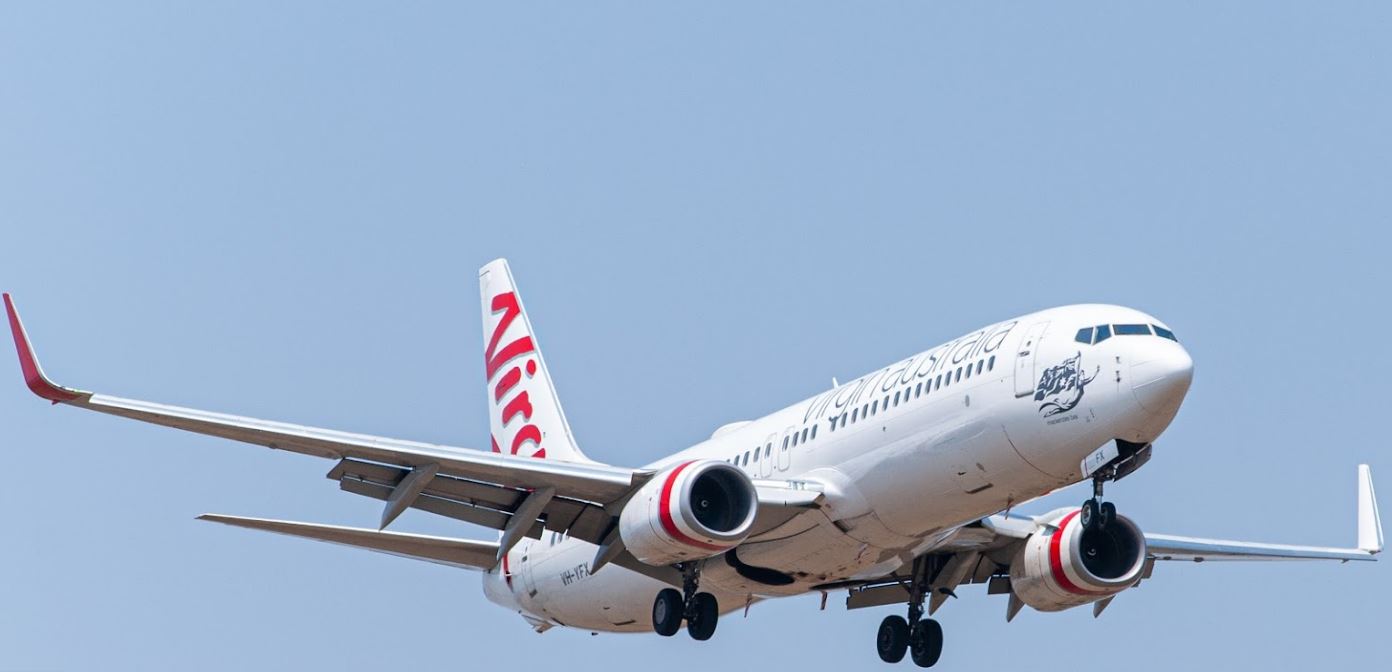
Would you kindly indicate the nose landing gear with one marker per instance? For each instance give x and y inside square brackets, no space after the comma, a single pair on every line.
[921,638]
[1096,514]
[701,611]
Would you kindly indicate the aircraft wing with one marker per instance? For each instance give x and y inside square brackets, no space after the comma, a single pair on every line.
[521,496]
[464,553]
[471,485]
[1170,547]
[982,553]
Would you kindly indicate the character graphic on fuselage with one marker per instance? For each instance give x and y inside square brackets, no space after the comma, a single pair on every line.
[1061,387]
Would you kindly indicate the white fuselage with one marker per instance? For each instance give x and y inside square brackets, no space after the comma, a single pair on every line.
[906,455]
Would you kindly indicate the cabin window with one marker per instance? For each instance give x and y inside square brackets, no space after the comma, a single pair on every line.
[804,435]
[875,407]
[768,450]
[746,458]
[855,414]
[969,370]
[785,443]
[979,366]
[814,431]
[896,398]
[991,363]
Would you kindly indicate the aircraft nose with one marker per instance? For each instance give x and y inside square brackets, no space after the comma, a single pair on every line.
[1161,375]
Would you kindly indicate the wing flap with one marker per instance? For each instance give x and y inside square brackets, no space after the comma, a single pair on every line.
[475,502]
[463,553]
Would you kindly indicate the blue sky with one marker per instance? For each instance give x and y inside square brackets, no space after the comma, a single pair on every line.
[278,211]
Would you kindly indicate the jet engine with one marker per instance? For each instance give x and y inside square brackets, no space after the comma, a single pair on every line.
[689,511]
[1064,565]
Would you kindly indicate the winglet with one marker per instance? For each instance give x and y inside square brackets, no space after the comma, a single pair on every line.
[33,374]
[1369,522]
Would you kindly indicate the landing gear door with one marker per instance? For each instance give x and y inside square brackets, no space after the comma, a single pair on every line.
[1024,359]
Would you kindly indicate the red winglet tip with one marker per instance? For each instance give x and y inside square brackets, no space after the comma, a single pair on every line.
[33,375]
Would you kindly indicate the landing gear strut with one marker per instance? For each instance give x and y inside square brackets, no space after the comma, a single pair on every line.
[920,637]
[1096,514]
[700,610]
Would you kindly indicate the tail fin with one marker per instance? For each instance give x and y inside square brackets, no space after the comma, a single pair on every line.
[524,413]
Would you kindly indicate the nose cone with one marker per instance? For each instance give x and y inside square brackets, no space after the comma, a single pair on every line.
[1160,377]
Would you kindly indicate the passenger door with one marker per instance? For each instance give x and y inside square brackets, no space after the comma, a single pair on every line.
[766,461]
[1024,359]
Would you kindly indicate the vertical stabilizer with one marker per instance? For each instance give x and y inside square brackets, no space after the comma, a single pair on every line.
[524,413]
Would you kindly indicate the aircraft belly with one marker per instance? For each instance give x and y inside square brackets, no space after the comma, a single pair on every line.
[933,480]
[614,599]
[818,554]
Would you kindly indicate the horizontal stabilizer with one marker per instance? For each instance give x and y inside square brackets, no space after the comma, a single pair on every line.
[464,553]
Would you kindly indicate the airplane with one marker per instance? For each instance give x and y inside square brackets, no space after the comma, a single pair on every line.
[898,487]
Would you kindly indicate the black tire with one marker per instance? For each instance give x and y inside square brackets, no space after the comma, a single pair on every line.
[1088,515]
[926,643]
[705,613]
[892,642]
[1106,515]
[667,612]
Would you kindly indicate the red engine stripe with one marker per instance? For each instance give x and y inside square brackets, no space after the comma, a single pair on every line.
[664,513]
[1056,559]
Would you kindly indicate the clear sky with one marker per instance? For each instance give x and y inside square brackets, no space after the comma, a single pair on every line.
[278,210]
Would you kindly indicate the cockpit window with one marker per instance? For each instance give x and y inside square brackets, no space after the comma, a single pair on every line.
[1102,332]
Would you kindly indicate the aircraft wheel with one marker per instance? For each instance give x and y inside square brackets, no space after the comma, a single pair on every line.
[1089,514]
[926,643]
[893,639]
[705,613]
[667,612]
[1106,515]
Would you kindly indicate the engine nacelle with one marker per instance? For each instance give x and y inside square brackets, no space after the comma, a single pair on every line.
[690,511]
[1063,566]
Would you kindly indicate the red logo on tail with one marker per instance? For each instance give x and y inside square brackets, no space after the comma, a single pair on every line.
[494,359]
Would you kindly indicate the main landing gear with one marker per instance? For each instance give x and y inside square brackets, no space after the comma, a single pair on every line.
[700,610]
[1096,514]
[920,637]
